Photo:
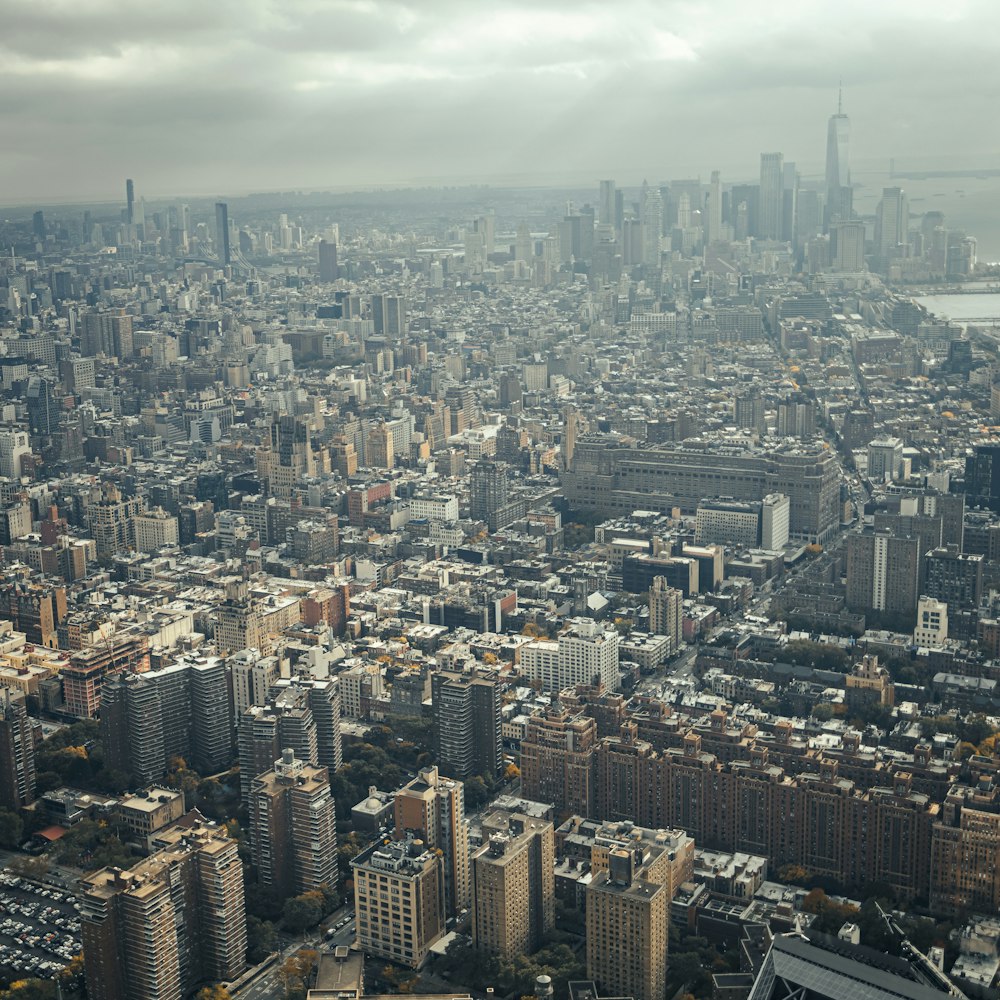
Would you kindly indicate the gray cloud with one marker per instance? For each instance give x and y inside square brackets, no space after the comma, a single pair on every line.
[227,96]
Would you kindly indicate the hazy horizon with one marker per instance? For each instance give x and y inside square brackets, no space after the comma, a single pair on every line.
[361,94]
[587,182]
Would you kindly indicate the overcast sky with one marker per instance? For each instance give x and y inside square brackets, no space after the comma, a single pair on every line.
[227,96]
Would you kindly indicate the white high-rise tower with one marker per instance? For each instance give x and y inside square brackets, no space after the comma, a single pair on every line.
[838,169]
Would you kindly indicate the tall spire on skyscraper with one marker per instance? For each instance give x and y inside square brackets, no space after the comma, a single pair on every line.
[838,172]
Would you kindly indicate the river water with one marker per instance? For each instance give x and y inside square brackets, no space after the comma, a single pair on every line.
[962,308]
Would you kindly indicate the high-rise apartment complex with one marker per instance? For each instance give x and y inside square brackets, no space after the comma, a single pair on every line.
[389,315]
[17,752]
[666,611]
[112,522]
[248,621]
[467,728]
[885,460]
[487,489]
[211,714]
[892,224]
[293,827]
[848,239]
[155,529]
[882,573]
[627,929]
[557,754]
[584,651]
[323,698]
[714,228]
[750,410]
[982,476]
[289,457]
[513,886]
[108,332]
[329,269]
[132,727]
[173,921]
[652,224]
[955,578]
[36,609]
[606,203]
[379,447]
[253,677]
[285,721]
[964,846]
[667,856]
[181,710]
[14,446]
[757,799]
[432,809]
[43,405]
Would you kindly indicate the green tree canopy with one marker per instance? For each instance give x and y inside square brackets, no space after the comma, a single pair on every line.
[302,912]
[11,828]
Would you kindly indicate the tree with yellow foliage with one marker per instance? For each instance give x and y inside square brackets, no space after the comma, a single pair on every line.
[295,972]
[215,992]
[30,989]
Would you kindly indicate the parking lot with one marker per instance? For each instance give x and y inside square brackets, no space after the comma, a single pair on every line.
[39,927]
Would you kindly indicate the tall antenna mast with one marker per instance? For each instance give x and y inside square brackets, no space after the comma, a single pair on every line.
[840,97]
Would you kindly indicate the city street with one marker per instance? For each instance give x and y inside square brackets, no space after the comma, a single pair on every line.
[267,986]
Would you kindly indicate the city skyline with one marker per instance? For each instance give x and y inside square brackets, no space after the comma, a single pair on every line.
[501,499]
[211,102]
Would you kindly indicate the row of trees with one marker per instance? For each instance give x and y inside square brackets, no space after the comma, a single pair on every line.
[816,655]
[975,730]
[859,717]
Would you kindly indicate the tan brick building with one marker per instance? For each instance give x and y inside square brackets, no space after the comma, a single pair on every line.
[557,755]
[399,900]
[513,885]
[627,929]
